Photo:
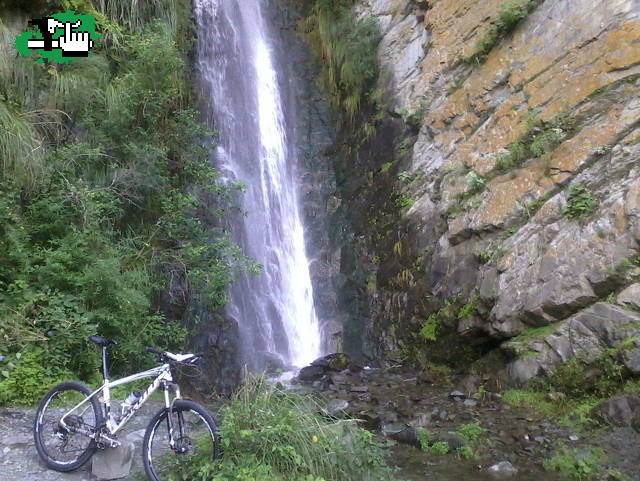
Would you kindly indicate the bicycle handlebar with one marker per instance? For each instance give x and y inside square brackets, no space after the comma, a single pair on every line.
[184,359]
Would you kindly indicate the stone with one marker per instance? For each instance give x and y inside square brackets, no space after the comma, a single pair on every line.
[336,407]
[338,378]
[337,361]
[113,463]
[618,410]
[556,396]
[136,437]
[631,357]
[359,389]
[456,394]
[469,385]
[421,420]
[17,439]
[454,440]
[503,469]
[370,420]
[401,432]
[635,421]
[630,297]
[470,403]
[586,336]
[311,373]
[272,362]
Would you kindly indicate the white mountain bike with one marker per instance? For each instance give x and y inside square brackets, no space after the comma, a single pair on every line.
[73,421]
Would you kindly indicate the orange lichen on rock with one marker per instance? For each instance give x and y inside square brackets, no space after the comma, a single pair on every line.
[585,70]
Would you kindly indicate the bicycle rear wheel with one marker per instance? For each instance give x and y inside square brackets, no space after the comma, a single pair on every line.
[195,433]
[62,449]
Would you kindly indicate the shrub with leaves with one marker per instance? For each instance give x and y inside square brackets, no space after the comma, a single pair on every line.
[104,175]
[580,202]
[576,464]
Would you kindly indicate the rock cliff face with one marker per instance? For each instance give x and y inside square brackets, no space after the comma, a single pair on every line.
[515,166]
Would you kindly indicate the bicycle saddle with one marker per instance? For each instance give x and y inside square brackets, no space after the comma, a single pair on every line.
[102,341]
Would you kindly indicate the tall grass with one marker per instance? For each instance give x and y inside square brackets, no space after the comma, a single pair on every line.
[268,434]
[346,50]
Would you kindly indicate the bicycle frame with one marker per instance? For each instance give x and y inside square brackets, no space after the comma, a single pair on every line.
[163,378]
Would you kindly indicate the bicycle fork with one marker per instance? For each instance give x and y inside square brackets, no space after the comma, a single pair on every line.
[170,411]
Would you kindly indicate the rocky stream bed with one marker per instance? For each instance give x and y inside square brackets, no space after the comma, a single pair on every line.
[397,403]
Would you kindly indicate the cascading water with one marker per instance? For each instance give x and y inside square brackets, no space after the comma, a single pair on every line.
[241,100]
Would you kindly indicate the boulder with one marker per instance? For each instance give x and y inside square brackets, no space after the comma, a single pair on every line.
[630,297]
[401,432]
[503,469]
[337,361]
[585,336]
[311,373]
[469,385]
[272,362]
[618,410]
[336,407]
[454,440]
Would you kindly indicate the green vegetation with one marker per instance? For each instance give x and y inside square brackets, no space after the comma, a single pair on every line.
[575,463]
[622,268]
[475,183]
[483,256]
[509,16]
[404,202]
[467,452]
[580,202]
[468,309]
[539,139]
[270,435]
[471,432]
[104,168]
[438,447]
[346,50]
[582,386]
[449,314]
[424,438]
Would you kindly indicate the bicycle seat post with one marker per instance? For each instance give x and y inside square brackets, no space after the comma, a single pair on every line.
[105,363]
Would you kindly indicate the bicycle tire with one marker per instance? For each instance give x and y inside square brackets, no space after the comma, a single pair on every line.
[158,457]
[50,440]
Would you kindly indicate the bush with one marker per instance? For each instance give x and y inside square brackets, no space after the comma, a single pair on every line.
[577,464]
[471,432]
[25,380]
[268,434]
[580,202]
[105,219]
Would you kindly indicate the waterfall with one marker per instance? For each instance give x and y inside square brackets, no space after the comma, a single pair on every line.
[241,100]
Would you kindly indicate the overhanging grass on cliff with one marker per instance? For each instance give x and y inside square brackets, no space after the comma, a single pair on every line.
[346,50]
[271,435]
[509,16]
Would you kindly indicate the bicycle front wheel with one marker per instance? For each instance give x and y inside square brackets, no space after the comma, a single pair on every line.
[196,441]
[66,449]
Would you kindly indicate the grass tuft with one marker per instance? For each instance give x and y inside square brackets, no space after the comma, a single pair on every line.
[269,434]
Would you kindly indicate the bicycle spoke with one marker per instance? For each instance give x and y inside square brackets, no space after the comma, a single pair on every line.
[64,446]
[193,441]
